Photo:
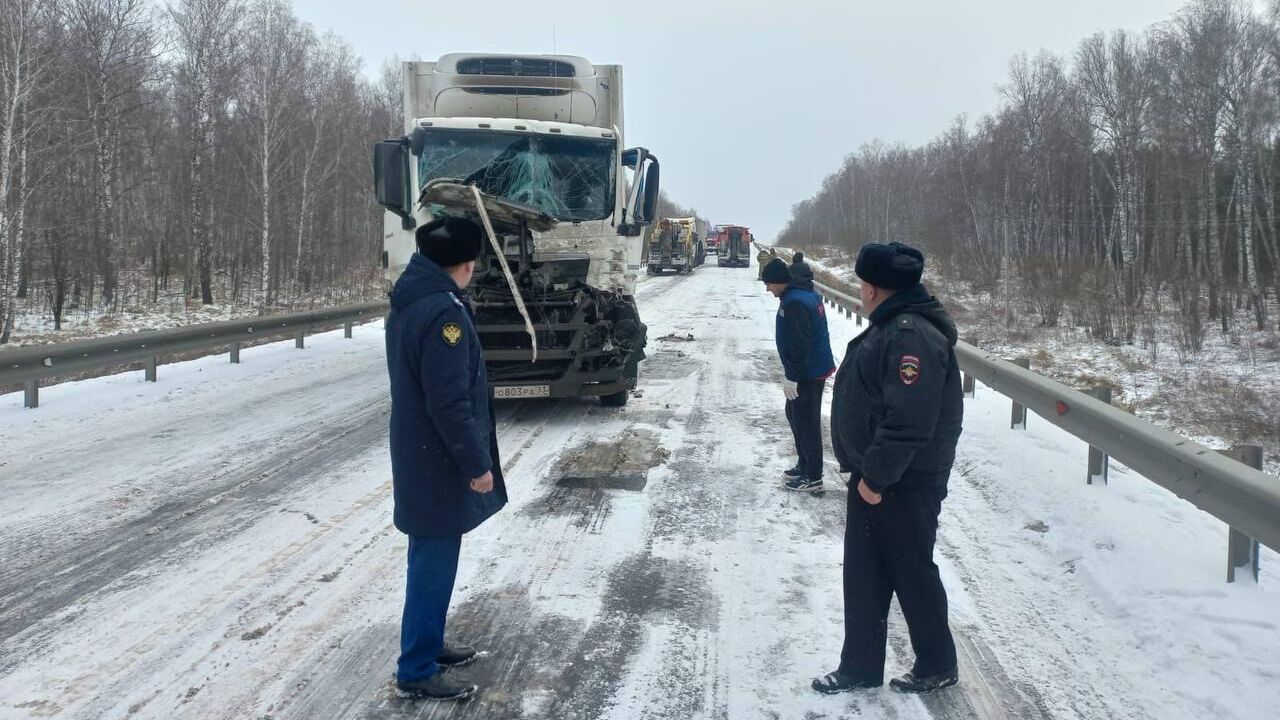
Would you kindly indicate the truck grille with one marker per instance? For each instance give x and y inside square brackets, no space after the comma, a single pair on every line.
[515,67]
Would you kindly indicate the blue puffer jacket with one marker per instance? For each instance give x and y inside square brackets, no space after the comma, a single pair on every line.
[442,427]
[801,333]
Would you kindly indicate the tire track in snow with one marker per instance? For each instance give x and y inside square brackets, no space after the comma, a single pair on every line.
[545,663]
[223,504]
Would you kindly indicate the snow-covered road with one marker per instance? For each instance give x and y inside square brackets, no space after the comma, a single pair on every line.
[218,545]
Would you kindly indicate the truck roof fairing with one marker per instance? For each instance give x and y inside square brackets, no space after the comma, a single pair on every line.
[535,127]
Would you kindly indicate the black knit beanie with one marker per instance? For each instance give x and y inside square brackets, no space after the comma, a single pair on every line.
[449,241]
[894,266]
[776,272]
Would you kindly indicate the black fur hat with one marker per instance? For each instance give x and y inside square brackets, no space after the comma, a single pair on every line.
[449,241]
[894,266]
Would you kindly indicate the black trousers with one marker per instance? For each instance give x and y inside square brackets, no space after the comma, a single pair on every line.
[888,548]
[804,415]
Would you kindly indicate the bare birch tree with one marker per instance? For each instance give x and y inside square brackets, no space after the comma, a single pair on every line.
[23,62]
[207,33]
[276,49]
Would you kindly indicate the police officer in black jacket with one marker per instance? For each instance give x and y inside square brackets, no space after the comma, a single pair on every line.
[446,474]
[896,416]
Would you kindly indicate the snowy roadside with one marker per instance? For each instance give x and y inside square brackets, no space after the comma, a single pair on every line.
[1099,601]
[1226,395]
[33,324]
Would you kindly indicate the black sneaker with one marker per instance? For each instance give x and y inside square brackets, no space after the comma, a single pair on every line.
[436,687]
[909,683]
[838,682]
[456,656]
[793,473]
[804,485]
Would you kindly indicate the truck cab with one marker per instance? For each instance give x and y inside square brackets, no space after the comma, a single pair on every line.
[540,137]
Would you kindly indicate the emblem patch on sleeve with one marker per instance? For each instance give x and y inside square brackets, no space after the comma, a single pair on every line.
[909,369]
[452,334]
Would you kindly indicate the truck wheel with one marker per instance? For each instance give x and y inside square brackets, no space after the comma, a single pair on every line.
[630,372]
[615,400]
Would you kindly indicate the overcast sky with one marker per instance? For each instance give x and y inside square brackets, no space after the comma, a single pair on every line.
[751,104]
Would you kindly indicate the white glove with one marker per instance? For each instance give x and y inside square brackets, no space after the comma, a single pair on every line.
[790,389]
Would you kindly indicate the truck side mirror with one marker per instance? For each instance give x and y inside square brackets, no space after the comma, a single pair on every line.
[642,205]
[650,190]
[392,180]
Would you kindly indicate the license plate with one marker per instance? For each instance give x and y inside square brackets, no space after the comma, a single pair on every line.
[512,392]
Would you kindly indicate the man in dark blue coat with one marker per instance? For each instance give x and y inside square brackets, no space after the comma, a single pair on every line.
[804,346]
[445,469]
[896,416]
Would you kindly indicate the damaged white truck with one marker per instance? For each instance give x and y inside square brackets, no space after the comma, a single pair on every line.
[532,147]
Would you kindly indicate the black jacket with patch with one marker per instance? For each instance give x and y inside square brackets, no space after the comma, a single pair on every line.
[897,406]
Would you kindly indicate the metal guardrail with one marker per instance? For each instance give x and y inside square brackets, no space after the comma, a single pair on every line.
[1245,498]
[29,365]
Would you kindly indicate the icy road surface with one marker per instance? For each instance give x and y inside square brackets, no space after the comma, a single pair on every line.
[218,545]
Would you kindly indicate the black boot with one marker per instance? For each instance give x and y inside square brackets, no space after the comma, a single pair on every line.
[910,683]
[436,687]
[804,485]
[838,682]
[793,473]
[456,656]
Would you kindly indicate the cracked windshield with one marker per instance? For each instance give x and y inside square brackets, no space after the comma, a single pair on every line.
[569,178]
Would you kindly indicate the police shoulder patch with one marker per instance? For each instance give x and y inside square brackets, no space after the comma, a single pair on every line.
[909,369]
[452,333]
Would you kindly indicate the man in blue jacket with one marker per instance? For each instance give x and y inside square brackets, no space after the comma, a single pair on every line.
[445,469]
[805,348]
[896,414]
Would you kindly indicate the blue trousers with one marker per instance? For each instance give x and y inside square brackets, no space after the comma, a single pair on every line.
[433,566]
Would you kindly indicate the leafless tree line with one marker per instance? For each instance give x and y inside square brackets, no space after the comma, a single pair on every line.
[668,208]
[211,150]
[1136,176]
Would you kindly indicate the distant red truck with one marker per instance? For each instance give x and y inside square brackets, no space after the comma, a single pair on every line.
[733,246]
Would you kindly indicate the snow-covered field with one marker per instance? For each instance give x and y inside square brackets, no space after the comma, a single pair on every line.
[218,545]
